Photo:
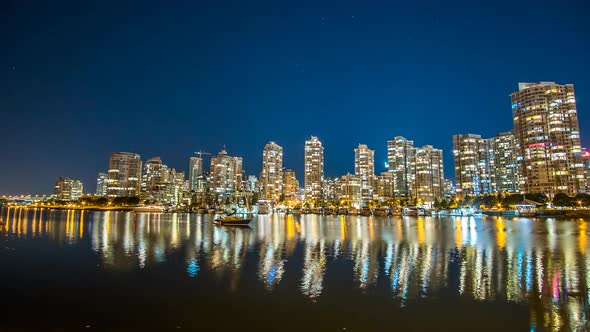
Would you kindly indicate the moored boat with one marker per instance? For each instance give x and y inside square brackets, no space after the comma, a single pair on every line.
[233,220]
[150,208]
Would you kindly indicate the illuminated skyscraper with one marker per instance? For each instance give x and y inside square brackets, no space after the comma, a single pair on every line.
[505,165]
[473,165]
[399,153]
[428,174]
[101,184]
[195,172]
[290,185]
[384,185]
[162,183]
[226,174]
[154,179]
[314,168]
[586,158]
[364,167]
[67,189]
[124,174]
[348,188]
[271,176]
[548,138]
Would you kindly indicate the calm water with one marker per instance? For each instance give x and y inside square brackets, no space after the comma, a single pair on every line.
[72,269]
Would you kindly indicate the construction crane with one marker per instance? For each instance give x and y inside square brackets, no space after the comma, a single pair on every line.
[200,153]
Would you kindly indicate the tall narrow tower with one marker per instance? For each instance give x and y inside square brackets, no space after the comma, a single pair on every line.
[314,168]
[271,176]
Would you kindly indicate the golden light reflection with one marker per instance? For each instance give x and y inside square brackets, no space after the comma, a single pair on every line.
[582,238]
[458,233]
[81,228]
[500,233]
[420,230]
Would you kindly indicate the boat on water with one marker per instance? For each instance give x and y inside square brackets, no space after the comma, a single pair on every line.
[413,211]
[149,208]
[234,219]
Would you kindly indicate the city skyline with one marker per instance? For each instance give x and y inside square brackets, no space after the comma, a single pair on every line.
[156,87]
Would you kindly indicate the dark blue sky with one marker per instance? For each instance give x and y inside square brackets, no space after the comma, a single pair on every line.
[81,79]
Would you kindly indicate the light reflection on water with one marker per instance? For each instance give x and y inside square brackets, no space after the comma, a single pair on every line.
[541,263]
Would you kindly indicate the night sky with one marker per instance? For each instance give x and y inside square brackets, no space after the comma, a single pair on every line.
[80,79]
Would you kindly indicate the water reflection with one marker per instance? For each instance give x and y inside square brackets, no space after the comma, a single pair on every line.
[540,263]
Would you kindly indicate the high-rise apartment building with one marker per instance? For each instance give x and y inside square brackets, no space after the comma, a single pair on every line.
[586,161]
[548,138]
[290,185]
[505,162]
[399,154]
[101,184]
[428,174]
[384,186]
[348,188]
[271,176]
[364,167]
[195,173]
[314,168]
[226,174]
[124,174]
[154,179]
[162,183]
[67,189]
[474,162]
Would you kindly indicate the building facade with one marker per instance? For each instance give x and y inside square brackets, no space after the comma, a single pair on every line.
[364,168]
[474,162]
[124,175]
[67,189]
[162,183]
[290,185]
[101,184]
[348,190]
[400,151]
[548,138]
[271,176]
[505,163]
[226,174]
[384,186]
[428,175]
[195,173]
[313,168]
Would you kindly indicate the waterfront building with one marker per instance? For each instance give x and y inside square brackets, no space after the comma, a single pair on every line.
[586,158]
[329,193]
[505,162]
[364,167]
[252,184]
[428,175]
[67,189]
[124,175]
[449,190]
[290,185]
[155,180]
[474,162]
[195,173]
[399,154]
[313,168]
[548,138]
[101,184]
[384,187]
[349,189]
[226,174]
[271,176]
[162,183]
